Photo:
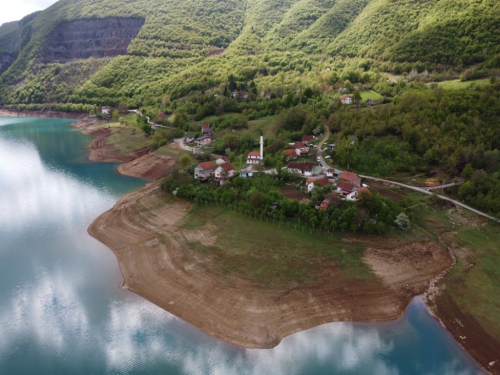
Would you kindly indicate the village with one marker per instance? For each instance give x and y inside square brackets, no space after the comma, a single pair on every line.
[310,174]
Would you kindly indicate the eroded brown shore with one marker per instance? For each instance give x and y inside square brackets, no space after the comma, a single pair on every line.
[159,269]
[145,231]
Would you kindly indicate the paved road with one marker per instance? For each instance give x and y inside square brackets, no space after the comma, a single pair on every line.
[136,111]
[426,191]
[182,144]
[320,144]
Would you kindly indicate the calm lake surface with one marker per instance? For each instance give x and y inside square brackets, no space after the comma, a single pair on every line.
[62,309]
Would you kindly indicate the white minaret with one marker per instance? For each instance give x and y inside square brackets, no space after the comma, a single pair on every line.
[261,146]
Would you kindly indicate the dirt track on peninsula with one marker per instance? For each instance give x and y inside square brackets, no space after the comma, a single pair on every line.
[145,231]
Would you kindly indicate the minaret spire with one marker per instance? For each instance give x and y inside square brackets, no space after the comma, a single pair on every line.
[261,145]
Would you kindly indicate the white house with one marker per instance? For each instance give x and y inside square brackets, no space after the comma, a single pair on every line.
[255,157]
[306,168]
[346,99]
[224,172]
[312,182]
[105,110]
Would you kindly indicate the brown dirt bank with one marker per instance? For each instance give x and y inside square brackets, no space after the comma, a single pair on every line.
[145,231]
[468,333]
[48,114]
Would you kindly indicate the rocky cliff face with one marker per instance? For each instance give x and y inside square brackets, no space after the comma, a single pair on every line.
[6,60]
[90,38]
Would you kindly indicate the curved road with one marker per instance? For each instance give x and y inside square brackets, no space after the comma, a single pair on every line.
[424,190]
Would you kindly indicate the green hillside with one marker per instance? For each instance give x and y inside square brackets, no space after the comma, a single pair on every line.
[266,44]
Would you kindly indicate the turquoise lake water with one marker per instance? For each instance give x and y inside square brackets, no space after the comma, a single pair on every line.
[63,311]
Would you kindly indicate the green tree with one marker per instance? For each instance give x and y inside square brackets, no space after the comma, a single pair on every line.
[468,172]
[146,128]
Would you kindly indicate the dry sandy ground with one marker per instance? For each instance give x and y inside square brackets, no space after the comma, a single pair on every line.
[145,232]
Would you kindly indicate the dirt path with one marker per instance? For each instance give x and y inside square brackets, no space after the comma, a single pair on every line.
[145,231]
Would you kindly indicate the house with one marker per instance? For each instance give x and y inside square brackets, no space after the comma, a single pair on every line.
[301,148]
[162,116]
[205,128]
[253,157]
[222,160]
[369,102]
[332,146]
[345,188]
[362,190]
[290,153]
[353,178]
[324,205]
[244,95]
[354,196]
[305,168]
[312,182]
[330,172]
[203,171]
[308,138]
[204,140]
[346,99]
[105,110]
[235,94]
[224,172]
[190,137]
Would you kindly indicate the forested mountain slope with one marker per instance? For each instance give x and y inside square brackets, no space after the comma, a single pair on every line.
[165,42]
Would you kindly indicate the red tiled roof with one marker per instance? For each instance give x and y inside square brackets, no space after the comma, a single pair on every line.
[330,170]
[299,144]
[162,115]
[290,152]
[351,177]
[324,205]
[346,185]
[205,125]
[228,167]
[303,166]
[307,138]
[363,190]
[206,165]
[309,180]
[322,181]
[254,153]
[225,158]
[345,97]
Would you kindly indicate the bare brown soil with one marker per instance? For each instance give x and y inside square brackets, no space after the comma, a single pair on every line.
[484,348]
[388,193]
[149,166]
[48,114]
[292,193]
[145,231]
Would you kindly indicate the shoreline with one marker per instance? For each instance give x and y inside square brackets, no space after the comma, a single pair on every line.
[46,114]
[239,311]
[488,366]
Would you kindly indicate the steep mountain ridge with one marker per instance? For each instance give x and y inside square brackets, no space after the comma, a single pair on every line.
[175,38]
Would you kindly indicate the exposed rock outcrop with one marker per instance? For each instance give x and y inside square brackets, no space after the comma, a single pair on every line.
[82,39]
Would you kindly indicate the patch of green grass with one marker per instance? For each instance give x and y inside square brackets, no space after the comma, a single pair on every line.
[477,287]
[458,85]
[268,253]
[365,95]
[267,124]
[169,150]
[127,138]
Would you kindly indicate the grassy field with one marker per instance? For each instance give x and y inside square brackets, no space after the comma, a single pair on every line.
[365,95]
[474,284]
[168,150]
[268,124]
[457,85]
[265,252]
[127,138]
